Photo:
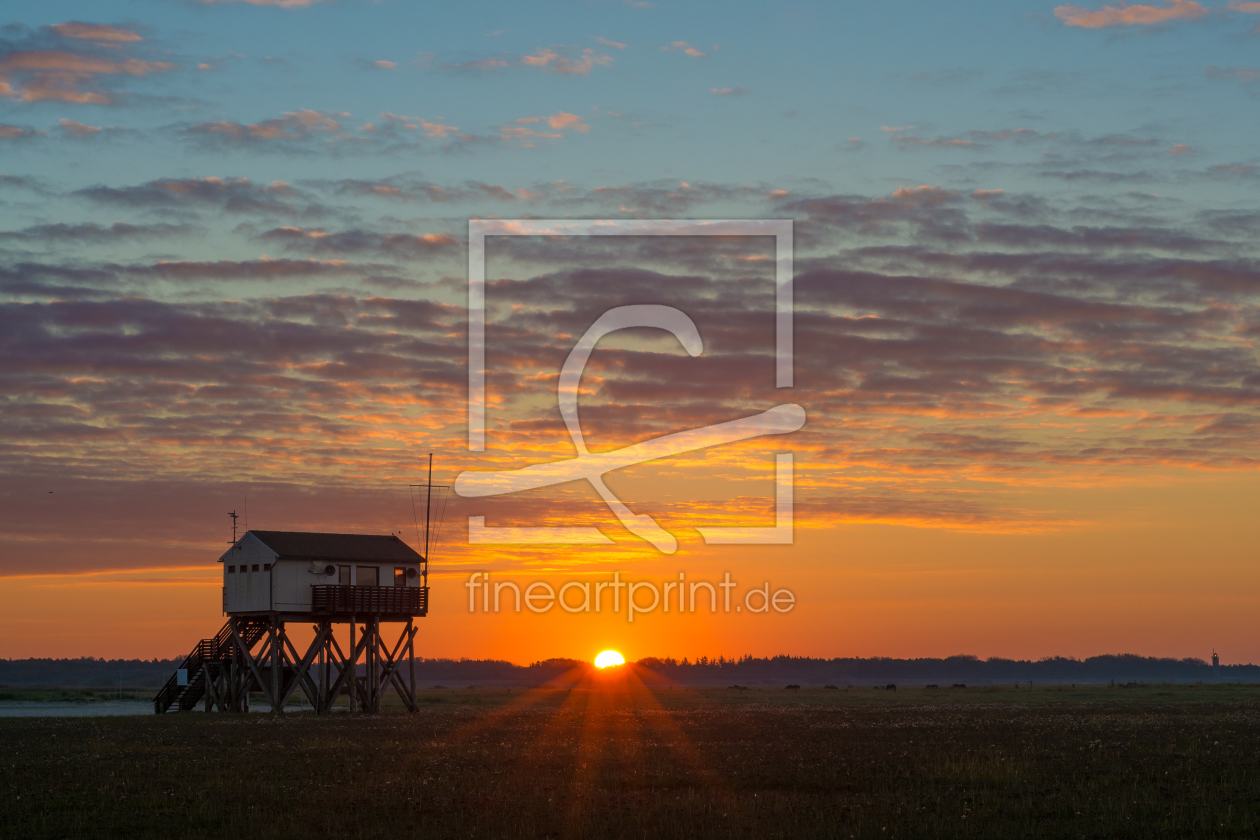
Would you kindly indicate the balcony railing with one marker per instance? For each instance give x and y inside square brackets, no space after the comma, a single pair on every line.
[370,600]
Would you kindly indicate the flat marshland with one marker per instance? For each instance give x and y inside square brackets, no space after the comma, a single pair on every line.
[612,758]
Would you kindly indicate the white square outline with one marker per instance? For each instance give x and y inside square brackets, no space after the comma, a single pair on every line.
[479,229]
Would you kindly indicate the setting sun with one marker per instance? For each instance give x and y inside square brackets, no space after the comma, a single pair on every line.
[609,657]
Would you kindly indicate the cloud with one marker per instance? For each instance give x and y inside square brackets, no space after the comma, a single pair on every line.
[283,4]
[78,129]
[525,135]
[520,131]
[294,125]
[1246,75]
[949,354]
[909,142]
[405,188]
[291,126]
[92,233]
[479,64]
[61,76]
[1247,6]
[308,131]
[555,60]
[437,129]
[1126,14]
[613,44]
[736,91]
[96,32]
[398,245]
[398,131]
[15,132]
[926,209]
[933,195]
[232,195]
[566,120]
[667,197]
[685,48]
[1233,170]
[23,182]
[264,269]
[1134,237]
[379,64]
[978,139]
[1179,149]
[1100,176]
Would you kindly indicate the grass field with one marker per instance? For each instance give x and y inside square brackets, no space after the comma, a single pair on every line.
[38,694]
[611,758]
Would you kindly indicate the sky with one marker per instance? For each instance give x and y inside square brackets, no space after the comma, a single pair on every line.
[234,276]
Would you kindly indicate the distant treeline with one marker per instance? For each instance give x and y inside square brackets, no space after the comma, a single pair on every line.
[141,673]
[953,669]
[88,672]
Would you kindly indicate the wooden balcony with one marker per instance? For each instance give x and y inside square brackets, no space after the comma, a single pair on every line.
[399,602]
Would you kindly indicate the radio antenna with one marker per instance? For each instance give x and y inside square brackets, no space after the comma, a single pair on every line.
[428,508]
[233,515]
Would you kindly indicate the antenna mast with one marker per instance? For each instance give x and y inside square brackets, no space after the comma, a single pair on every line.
[234,517]
[428,507]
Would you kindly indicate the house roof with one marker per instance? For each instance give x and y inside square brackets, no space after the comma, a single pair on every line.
[304,545]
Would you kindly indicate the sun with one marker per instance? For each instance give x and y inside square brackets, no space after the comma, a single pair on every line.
[609,657]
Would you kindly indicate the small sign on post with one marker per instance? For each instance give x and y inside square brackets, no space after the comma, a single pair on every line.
[181,676]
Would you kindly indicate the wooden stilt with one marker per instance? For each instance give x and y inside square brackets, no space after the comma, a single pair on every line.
[253,669]
[411,662]
[389,673]
[256,654]
[300,676]
[354,666]
[376,664]
[274,693]
[322,672]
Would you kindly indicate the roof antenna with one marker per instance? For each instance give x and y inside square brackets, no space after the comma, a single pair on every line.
[246,511]
[428,507]
[233,515]
[415,517]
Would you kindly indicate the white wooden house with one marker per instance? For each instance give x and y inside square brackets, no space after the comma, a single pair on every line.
[330,575]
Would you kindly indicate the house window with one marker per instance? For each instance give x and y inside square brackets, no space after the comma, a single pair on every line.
[400,576]
[343,575]
[231,570]
[255,567]
[369,576]
[266,567]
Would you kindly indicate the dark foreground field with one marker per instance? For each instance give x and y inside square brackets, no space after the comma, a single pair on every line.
[617,760]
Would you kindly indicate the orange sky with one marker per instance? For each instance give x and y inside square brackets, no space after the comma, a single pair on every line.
[1154,570]
[945,502]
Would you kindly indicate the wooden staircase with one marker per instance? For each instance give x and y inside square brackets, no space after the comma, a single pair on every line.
[208,655]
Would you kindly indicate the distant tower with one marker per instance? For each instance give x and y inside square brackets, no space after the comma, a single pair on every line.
[1216,665]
